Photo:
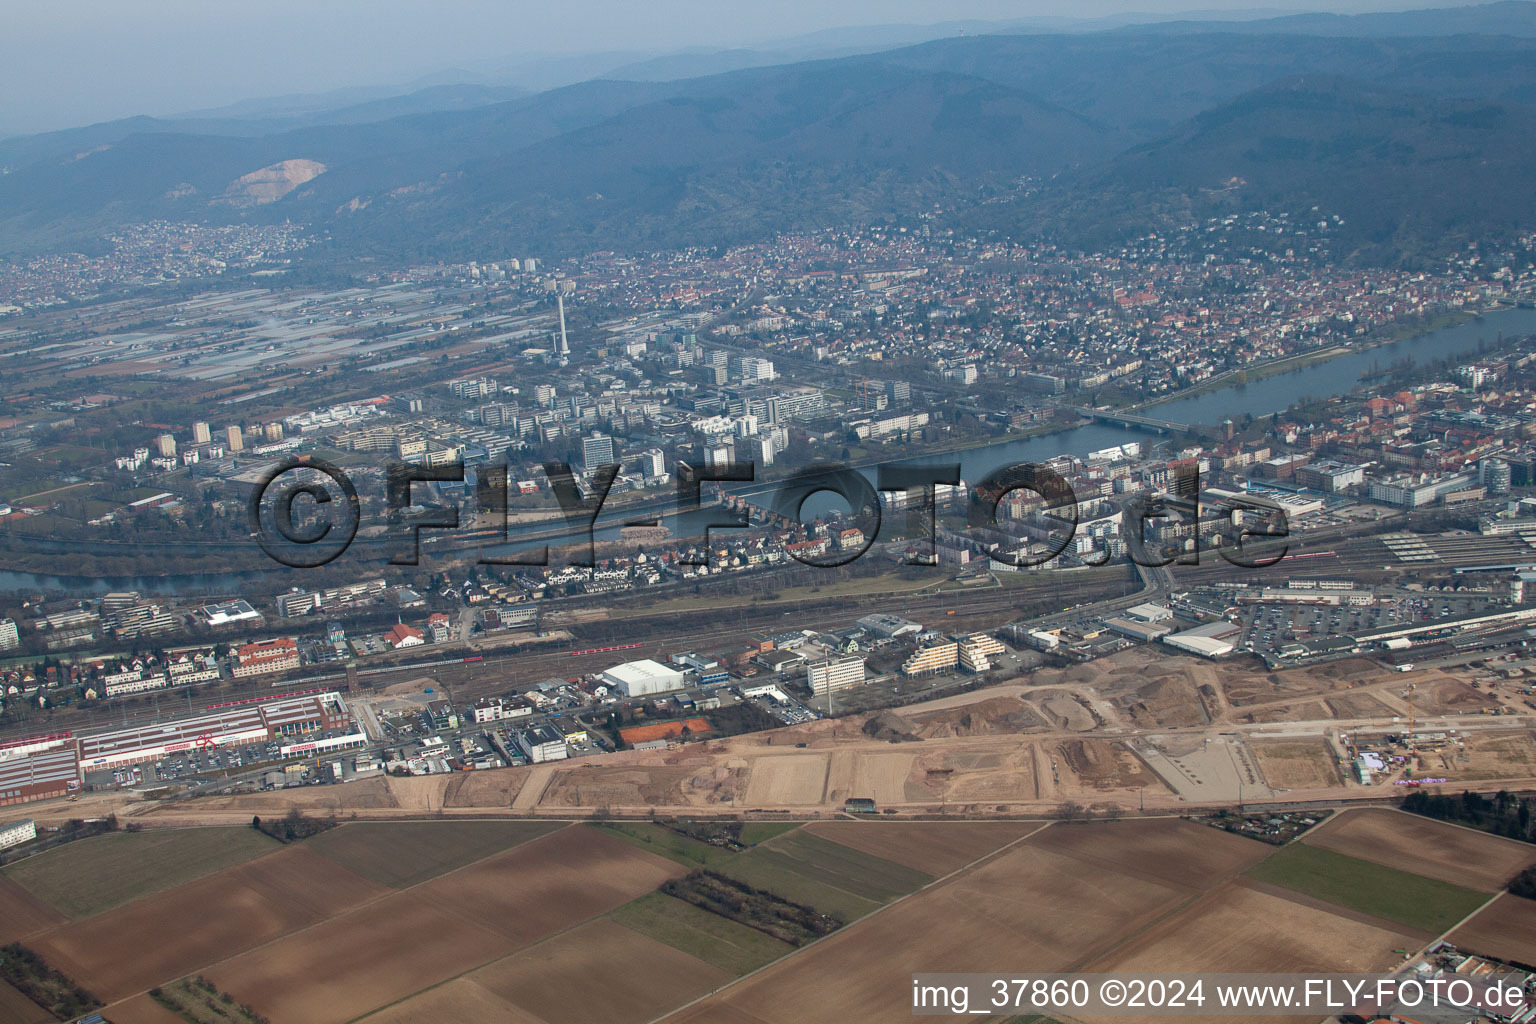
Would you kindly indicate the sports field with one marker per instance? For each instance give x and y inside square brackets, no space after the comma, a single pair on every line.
[1426,904]
[97,874]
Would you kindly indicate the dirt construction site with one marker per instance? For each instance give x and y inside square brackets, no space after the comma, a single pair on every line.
[1129,732]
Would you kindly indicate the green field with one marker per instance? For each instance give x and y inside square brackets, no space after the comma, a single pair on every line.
[405,853]
[663,842]
[87,877]
[795,865]
[841,866]
[1400,896]
[754,832]
[716,940]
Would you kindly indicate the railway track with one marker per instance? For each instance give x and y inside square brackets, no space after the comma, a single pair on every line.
[641,637]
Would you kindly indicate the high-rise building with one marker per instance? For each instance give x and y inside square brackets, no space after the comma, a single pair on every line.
[165,444]
[272,431]
[234,439]
[596,450]
[474,387]
[763,449]
[1496,475]
[755,368]
[9,637]
[653,462]
[200,433]
[718,455]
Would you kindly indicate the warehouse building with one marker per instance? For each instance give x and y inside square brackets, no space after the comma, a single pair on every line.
[1213,640]
[884,625]
[226,727]
[28,775]
[643,678]
[1137,630]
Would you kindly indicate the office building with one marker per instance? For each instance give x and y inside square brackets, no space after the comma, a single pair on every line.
[596,450]
[829,674]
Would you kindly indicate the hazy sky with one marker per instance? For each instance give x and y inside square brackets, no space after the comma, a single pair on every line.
[66,62]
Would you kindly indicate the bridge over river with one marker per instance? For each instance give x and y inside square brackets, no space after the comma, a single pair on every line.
[1126,419]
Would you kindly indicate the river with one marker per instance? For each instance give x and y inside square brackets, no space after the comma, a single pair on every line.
[1338,376]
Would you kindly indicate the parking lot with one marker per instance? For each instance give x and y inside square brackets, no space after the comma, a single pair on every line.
[1267,628]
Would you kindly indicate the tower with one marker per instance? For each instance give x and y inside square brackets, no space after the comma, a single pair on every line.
[565,348]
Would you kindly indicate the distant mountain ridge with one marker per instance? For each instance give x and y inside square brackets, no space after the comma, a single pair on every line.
[1409,175]
[1124,128]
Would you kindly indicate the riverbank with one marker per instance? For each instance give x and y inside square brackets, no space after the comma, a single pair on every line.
[1245,375]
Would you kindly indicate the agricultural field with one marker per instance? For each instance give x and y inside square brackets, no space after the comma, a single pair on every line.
[215,917]
[1425,847]
[1424,904]
[1168,852]
[197,1001]
[16,1008]
[599,971]
[733,948]
[796,865]
[1028,905]
[460,1000]
[21,913]
[404,853]
[1238,929]
[347,966]
[555,923]
[754,832]
[142,1009]
[1506,930]
[933,847]
[851,870]
[97,874]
